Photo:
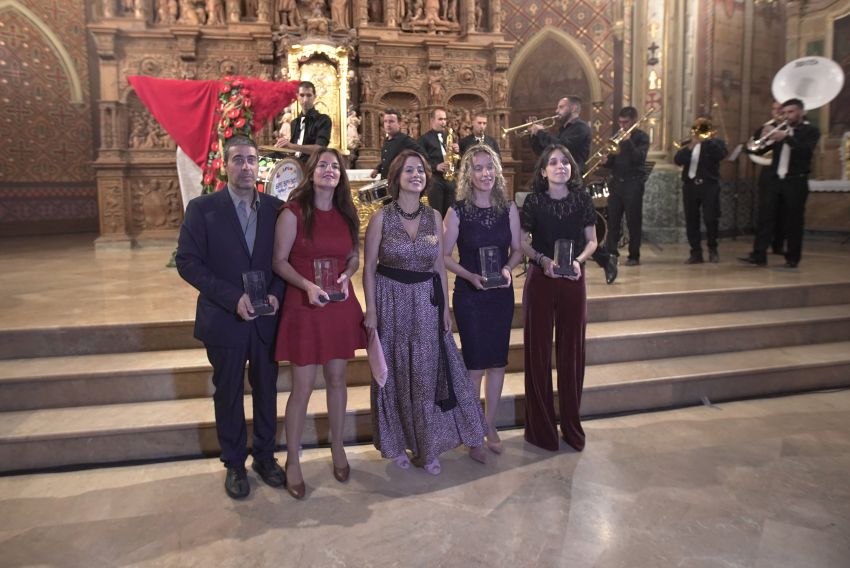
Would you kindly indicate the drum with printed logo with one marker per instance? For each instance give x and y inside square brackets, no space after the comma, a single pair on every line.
[279,176]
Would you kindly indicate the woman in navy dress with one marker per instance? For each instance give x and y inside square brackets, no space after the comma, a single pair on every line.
[483,217]
[318,222]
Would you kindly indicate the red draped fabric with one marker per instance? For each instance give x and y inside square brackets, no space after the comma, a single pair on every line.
[187,109]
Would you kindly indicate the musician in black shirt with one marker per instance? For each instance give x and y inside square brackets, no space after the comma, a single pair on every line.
[793,149]
[311,130]
[478,136]
[700,161]
[575,134]
[627,185]
[396,142]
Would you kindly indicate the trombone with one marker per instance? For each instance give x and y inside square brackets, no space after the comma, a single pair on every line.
[701,131]
[612,145]
[522,129]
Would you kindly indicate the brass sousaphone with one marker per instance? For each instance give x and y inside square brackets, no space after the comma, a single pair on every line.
[813,80]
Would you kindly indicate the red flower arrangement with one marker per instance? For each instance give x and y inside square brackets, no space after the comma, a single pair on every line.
[233,117]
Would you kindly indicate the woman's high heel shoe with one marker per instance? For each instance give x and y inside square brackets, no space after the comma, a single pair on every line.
[297,490]
[341,473]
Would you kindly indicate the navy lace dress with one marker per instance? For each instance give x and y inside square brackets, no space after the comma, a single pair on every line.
[483,316]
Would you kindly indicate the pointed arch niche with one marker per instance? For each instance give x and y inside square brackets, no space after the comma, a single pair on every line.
[551,65]
[52,40]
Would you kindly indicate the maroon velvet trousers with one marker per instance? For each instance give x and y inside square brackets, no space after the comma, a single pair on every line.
[562,303]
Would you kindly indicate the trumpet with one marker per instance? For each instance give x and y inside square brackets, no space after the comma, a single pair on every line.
[701,131]
[522,129]
[612,146]
[763,142]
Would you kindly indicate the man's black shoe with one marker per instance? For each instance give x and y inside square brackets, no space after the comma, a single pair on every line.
[791,264]
[611,269]
[633,262]
[694,259]
[270,472]
[236,482]
[713,256]
[753,260]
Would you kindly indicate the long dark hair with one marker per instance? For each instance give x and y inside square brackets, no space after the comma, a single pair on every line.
[540,184]
[305,194]
[394,175]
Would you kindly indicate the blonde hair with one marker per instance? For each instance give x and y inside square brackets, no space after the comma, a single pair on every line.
[465,189]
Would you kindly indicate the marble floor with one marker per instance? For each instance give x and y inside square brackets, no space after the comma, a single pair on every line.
[760,483]
[59,281]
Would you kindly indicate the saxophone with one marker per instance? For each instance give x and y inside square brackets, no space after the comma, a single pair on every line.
[452,157]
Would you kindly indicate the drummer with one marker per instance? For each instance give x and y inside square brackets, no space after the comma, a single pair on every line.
[311,129]
[396,142]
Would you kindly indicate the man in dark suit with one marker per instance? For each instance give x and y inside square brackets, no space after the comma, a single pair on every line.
[311,130]
[396,142]
[441,193]
[479,136]
[224,235]
[627,185]
[700,161]
[793,149]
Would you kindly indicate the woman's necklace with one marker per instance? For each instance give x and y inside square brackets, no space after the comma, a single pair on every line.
[405,214]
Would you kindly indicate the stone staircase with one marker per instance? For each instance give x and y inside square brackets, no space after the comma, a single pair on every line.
[78,396]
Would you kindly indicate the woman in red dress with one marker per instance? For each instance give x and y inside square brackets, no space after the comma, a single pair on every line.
[319,222]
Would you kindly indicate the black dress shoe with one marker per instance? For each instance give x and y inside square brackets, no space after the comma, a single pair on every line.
[236,482]
[270,472]
[694,259]
[633,262]
[751,259]
[791,264]
[713,256]
[611,269]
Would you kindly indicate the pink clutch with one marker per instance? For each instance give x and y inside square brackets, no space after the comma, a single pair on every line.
[377,362]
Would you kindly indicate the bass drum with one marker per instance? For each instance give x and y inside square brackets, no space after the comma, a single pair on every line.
[279,176]
[374,193]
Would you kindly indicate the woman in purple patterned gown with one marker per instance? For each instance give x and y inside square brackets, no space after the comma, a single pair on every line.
[427,405]
[483,217]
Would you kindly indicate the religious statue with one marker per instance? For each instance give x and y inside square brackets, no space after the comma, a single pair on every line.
[215,12]
[285,131]
[288,14]
[234,14]
[375,11]
[251,8]
[317,23]
[431,12]
[500,85]
[435,88]
[449,10]
[479,15]
[339,14]
[188,15]
[108,8]
[263,11]
[352,134]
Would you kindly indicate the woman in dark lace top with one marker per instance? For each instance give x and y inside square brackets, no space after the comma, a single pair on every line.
[483,218]
[558,208]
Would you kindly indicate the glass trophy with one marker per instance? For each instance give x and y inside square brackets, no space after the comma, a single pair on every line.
[564,257]
[326,272]
[491,267]
[254,283]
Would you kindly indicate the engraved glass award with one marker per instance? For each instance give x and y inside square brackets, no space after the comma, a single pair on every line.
[564,257]
[491,267]
[254,283]
[326,273]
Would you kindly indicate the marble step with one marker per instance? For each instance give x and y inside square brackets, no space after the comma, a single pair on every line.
[78,436]
[160,336]
[54,382]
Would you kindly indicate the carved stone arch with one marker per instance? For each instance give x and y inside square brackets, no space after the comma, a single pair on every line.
[406,101]
[55,43]
[570,44]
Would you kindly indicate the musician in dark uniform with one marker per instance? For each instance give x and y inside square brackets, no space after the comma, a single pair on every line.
[396,142]
[793,148]
[441,192]
[575,134]
[627,185]
[700,160]
[765,182]
[478,136]
[311,130]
